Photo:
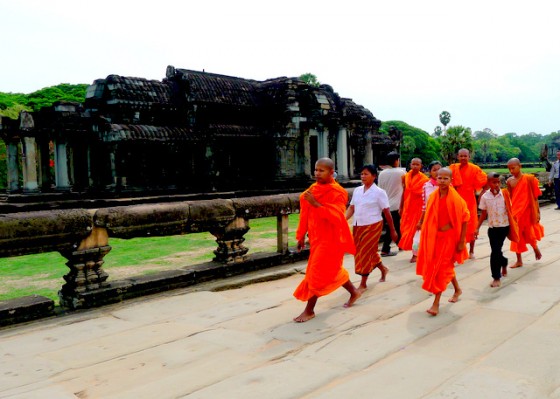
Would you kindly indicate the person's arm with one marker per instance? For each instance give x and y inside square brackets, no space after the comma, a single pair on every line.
[349,212]
[419,225]
[461,243]
[389,219]
[481,219]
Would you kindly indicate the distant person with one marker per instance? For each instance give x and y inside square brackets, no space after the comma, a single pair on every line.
[391,180]
[468,179]
[411,205]
[368,205]
[442,242]
[322,218]
[428,188]
[525,191]
[496,205]
[554,179]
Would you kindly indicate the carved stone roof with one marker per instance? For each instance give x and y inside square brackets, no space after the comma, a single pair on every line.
[113,132]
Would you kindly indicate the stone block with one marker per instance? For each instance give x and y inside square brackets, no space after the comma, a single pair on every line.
[24,309]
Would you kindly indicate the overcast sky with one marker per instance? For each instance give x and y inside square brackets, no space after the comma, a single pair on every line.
[490,64]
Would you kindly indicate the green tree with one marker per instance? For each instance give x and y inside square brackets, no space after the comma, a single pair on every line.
[444,118]
[416,142]
[310,79]
[455,138]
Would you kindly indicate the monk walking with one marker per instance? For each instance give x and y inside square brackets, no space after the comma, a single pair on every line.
[442,242]
[525,191]
[322,218]
[468,178]
[411,205]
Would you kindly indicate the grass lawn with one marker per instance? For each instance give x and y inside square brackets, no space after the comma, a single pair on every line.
[506,171]
[42,274]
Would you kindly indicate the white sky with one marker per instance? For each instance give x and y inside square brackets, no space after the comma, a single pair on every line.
[491,64]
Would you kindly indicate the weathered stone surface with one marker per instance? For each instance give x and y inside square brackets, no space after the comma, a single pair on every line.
[144,220]
[43,231]
[24,309]
[265,206]
[208,214]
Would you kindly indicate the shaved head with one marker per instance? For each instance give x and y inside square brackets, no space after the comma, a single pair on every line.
[465,151]
[445,171]
[514,161]
[326,162]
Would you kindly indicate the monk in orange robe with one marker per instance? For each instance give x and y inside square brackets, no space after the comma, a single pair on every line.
[468,178]
[442,241]
[411,205]
[525,191]
[322,218]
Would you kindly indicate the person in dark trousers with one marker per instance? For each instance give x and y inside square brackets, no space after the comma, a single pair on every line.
[391,180]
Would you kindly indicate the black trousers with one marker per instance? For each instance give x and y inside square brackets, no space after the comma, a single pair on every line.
[557,191]
[497,235]
[387,237]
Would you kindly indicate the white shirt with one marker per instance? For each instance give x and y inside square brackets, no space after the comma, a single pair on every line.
[495,205]
[368,206]
[427,190]
[390,180]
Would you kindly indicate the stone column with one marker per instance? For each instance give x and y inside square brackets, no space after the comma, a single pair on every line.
[282,233]
[323,142]
[13,173]
[342,153]
[61,166]
[369,149]
[44,165]
[29,151]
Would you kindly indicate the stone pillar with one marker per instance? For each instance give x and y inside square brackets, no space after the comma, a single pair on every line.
[282,233]
[44,165]
[113,165]
[286,157]
[230,241]
[61,166]
[342,154]
[369,150]
[13,172]
[29,160]
[323,143]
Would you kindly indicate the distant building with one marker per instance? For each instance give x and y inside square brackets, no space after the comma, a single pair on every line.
[191,132]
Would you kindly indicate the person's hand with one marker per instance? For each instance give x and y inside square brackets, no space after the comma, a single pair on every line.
[394,236]
[301,244]
[310,198]
[476,234]
[460,246]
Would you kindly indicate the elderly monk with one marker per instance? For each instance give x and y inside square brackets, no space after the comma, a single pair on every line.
[411,204]
[442,242]
[468,178]
[525,191]
[322,217]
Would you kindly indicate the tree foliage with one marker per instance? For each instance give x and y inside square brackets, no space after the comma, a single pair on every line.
[12,103]
[455,138]
[310,79]
[417,143]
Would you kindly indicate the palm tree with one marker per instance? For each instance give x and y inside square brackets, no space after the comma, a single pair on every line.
[444,118]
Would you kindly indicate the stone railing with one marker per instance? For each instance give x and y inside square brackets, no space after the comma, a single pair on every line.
[83,236]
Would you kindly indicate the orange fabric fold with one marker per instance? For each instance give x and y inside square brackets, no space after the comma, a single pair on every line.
[437,253]
[412,207]
[525,211]
[466,181]
[329,238]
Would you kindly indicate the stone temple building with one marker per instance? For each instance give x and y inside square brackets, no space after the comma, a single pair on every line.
[192,132]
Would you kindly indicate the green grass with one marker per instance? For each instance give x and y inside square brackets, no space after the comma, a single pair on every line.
[42,274]
[506,171]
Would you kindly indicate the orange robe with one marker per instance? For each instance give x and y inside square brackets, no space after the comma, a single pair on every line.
[466,181]
[329,238]
[412,207]
[437,253]
[525,210]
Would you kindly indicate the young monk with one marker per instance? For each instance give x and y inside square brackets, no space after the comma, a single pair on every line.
[495,204]
[468,178]
[525,191]
[322,217]
[368,206]
[411,204]
[429,187]
[442,242]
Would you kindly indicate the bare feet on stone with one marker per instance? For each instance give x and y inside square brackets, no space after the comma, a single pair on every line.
[384,271]
[455,296]
[538,254]
[434,310]
[353,298]
[504,271]
[516,265]
[302,318]
[495,283]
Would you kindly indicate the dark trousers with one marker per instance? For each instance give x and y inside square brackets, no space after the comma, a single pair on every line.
[497,235]
[557,191]
[387,237]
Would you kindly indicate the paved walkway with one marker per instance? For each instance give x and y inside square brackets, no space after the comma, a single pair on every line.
[241,343]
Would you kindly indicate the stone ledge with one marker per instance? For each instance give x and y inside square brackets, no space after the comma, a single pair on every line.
[25,308]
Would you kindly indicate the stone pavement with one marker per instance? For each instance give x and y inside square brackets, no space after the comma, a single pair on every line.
[212,342]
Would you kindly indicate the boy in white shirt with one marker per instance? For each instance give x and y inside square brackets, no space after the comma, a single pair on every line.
[493,205]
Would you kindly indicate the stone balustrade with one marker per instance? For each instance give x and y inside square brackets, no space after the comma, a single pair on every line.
[83,236]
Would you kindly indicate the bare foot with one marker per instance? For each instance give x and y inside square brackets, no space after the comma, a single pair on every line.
[495,283]
[538,254]
[504,271]
[455,296]
[384,270]
[471,255]
[353,298]
[434,310]
[302,318]
[362,288]
[413,259]
[516,265]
